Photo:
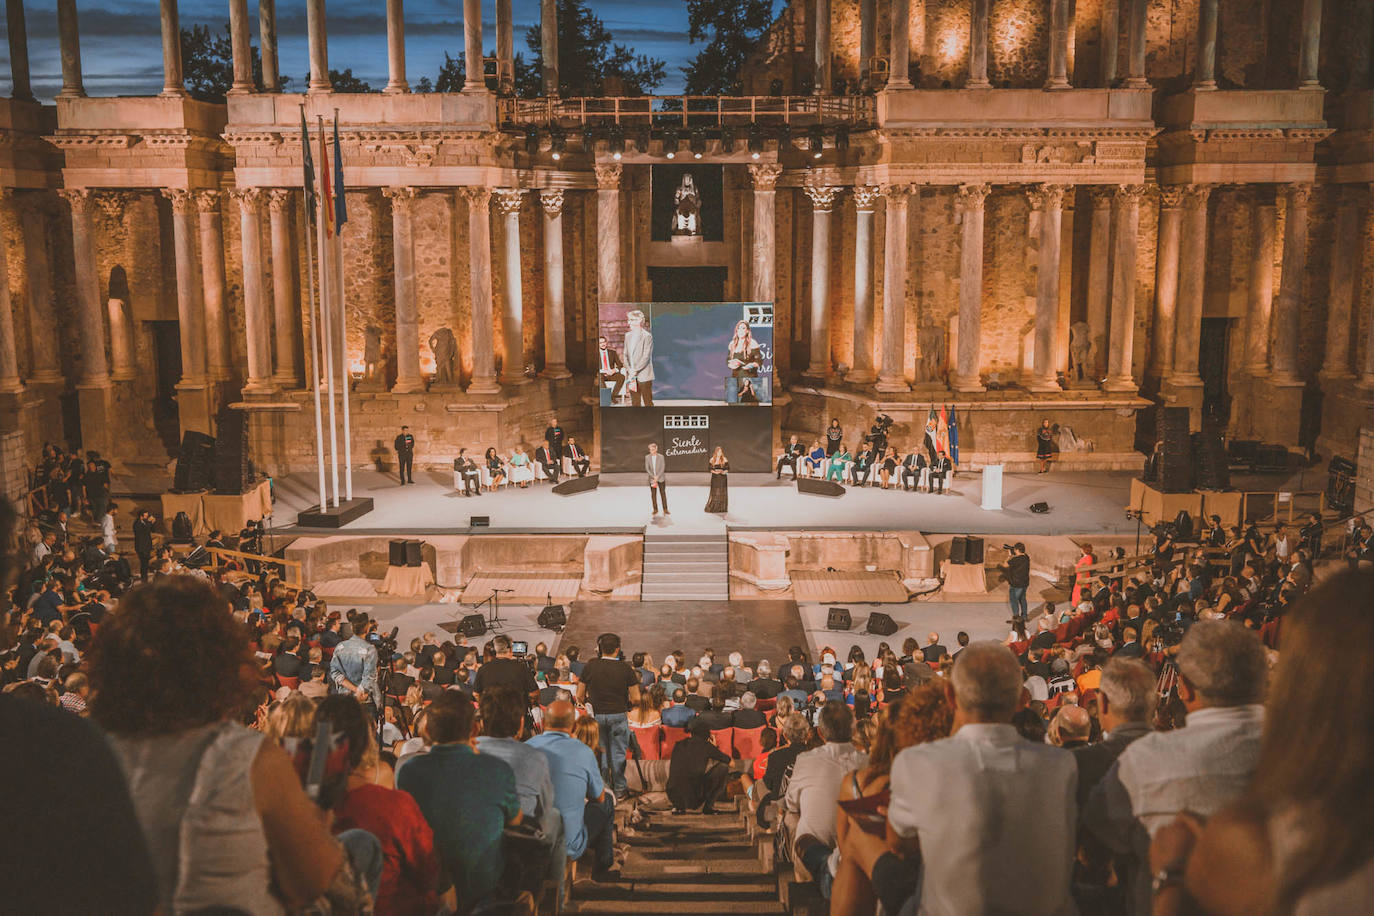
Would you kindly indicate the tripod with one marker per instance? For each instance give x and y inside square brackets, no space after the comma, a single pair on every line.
[493,602]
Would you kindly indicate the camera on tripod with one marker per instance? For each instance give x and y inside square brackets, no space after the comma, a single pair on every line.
[385,644]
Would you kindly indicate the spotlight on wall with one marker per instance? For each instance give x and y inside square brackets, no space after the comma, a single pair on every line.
[558,142]
[697,144]
[815,142]
[617,143]
[727,139]
[532,141]
[670,142]
[642,139]
[755,140]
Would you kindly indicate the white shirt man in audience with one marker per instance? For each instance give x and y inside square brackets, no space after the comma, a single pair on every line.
[991,814]
[1197,768]
[813,791]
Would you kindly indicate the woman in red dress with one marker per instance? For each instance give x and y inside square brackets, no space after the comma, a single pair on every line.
[1082,581]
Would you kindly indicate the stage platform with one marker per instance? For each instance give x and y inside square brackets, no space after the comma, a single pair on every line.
[1081,503]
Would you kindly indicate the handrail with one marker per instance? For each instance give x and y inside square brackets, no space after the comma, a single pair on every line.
[220,553]
[689,110]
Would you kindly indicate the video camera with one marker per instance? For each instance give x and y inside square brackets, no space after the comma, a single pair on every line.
[385,644]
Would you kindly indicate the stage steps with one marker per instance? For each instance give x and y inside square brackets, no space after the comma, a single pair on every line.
[686,567]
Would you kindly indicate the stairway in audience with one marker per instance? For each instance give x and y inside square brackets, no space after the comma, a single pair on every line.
[686,567]
[689,863]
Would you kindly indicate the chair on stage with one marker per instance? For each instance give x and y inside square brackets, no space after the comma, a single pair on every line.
[522,473]
[485,473]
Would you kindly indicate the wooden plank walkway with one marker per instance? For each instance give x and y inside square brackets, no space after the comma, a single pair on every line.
[820,586]
[529,587]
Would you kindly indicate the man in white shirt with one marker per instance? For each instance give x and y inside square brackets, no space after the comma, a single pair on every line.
[991,814]
[1198,768]
[813,791]
[108,539]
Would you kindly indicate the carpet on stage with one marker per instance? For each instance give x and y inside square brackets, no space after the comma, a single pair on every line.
[755,628]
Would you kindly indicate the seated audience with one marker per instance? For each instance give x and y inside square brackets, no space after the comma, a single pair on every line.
[581,796]
[813,789]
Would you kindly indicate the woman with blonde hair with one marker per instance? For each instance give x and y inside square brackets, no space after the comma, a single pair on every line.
[588,732]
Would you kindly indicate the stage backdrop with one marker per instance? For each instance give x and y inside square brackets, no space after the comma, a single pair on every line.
[687,437]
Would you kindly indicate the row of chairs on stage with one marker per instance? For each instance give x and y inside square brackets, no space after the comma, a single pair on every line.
[873,478]
[516,474]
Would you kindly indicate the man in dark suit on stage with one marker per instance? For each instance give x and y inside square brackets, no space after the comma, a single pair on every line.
[552,466]
[790,455]
[609,368]
[405,455]
[553,435]
[939,468]
[580,462]
[858,472]
[912,465]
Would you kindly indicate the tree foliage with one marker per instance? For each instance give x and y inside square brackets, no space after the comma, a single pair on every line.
[345,81]
[207,63]
[731,29]
[589,60]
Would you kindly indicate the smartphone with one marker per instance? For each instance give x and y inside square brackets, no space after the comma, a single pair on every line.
[520,648]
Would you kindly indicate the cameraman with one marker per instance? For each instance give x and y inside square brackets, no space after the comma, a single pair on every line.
[1017,573]
[353,668]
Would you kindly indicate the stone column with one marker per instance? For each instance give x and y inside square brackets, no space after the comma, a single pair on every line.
[1126,225]
[1166,277]
[1311,44]
[508,202]
[1192,274]
[1110,29]
[1047,204]
[548,44]
[1345,267]
[1060,23]
[899,57]
[479,251]
[19,51]
[409,380]
[46,368]
[1135,38]
[9,353]
[1205,77]
[1260,296]
[89,309]
[608,232]
[762,285]
[318,39]
[555,331]
[978,46]
[865,200]
[474,78]
[1099,277]
[868,36]
[822,201]
[171,51]
[240,40]
[190,313]
[267,45]
[396,47]
[69,37]
[1287,324]
[822,9]
[286,318]
[257,326]
[970,203]
[219,361]
[892,372]
[505,47]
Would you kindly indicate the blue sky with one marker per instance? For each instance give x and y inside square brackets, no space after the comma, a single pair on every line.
[121,51]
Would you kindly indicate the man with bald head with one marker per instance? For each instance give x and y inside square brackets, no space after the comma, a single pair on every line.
[579,794]
[982,771]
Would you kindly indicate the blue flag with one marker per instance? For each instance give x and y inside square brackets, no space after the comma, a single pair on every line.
[307,169]
[340,206]
[953,437]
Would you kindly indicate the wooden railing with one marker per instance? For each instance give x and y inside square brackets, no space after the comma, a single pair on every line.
[690,110]
[291,569]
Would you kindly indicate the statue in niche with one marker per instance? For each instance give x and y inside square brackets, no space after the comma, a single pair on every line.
[1080,348]
[372,353]
[930,344]
[445,347]
[686,208]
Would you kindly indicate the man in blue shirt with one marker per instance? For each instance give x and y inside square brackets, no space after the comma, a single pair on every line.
[677,715]
[588,811]
[467,798]
[353,669]
[47,607]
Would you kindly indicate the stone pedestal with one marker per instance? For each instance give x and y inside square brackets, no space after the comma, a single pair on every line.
[1281,416]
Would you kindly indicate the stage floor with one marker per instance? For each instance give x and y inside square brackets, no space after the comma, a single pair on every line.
[1081,502]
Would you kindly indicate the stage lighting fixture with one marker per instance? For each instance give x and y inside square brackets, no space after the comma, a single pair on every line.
[727,139]
[697,144]
[775,87]
[557,143]
[642,139]
[532,141]
[816,142]
[670,142]
[755,140]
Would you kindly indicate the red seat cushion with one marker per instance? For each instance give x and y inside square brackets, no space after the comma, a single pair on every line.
[671,736]
[650,740]
[748,742]
[724,739]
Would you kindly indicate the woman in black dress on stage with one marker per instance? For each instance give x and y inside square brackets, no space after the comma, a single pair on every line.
[834,436]
[719,499]
[1044,446]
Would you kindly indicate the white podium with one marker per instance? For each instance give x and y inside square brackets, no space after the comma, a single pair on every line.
[992,487]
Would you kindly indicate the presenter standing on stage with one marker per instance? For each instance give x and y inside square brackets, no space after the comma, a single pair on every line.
[553,435]
[719,499]
[639,360]
[657,469]
[405,455]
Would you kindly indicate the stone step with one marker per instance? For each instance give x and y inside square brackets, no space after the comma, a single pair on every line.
[674,906]
[682,577]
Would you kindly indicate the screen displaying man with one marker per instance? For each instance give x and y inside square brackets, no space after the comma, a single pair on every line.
[639,360]
[609,368]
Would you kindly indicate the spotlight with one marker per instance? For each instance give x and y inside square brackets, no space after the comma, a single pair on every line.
[755,140]
[727,139]
[557,143]
[841,138]
[697,144]
[532,141]
[670,142]
[642,139]
[816,142]
[617,143]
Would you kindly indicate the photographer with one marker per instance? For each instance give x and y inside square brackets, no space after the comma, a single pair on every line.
[1017,573]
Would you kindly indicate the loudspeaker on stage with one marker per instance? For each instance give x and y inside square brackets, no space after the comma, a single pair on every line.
[819,487]
[472,625]
[839,619]
[880,624]
[577,485]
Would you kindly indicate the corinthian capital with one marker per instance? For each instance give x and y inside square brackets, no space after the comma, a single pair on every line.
[1131,193]
[866,197]
[1046,196]
[1195,195]
[278,199]
[509,200]
[1297,194]
[475,196]
[765,175]
[608,177]
[1170,197]
[822,196]
[971,197]
[551,199]
[250,199]
[208,201]
[79,199]
[183,201]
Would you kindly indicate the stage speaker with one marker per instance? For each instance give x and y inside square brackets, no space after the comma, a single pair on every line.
[577,485]
[1039,508]
[958,551]
[973,553]
[396,553]
[552,617]
[839,619]
[193,470]
[472,625]
[413,556]
[819,487]
[231,471]
[1176,456]
[880,624]
[479,521]
[1213,468]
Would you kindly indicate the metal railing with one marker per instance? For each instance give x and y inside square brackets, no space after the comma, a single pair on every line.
[689,110]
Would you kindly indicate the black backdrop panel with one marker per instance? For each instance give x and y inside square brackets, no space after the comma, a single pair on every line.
[686,436]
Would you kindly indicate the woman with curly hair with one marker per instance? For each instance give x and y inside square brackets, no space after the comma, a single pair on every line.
[923,714]
[223,811]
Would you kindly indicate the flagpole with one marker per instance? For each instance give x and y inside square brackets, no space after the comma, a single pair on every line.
[314,320]
[326,329]
[345,375]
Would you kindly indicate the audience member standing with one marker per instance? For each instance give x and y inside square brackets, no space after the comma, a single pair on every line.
[505,670]
[611,686]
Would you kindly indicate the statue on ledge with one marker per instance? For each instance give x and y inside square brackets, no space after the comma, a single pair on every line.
[931,351]
[686,209]
[445,347]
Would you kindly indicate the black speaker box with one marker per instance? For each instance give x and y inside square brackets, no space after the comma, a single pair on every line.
[577,485]
[973,552]
[819,487]
[193,470]
[552,617]
[182,529]
[880,624]
[1213,468]
[1176,466]
[472,625]
[479,521]
[839,619]
[413,556]
[958,551]
[396,553]
[231,470]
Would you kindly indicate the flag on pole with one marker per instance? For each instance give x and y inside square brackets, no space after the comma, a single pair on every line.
[953,437]
[932,432]
[942,431]
[340,204]
[326,194]
[307,169]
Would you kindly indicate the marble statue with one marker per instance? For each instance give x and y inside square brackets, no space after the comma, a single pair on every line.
[687,208]
[931,347]
[1080,348]
[372,352]
[444,347]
